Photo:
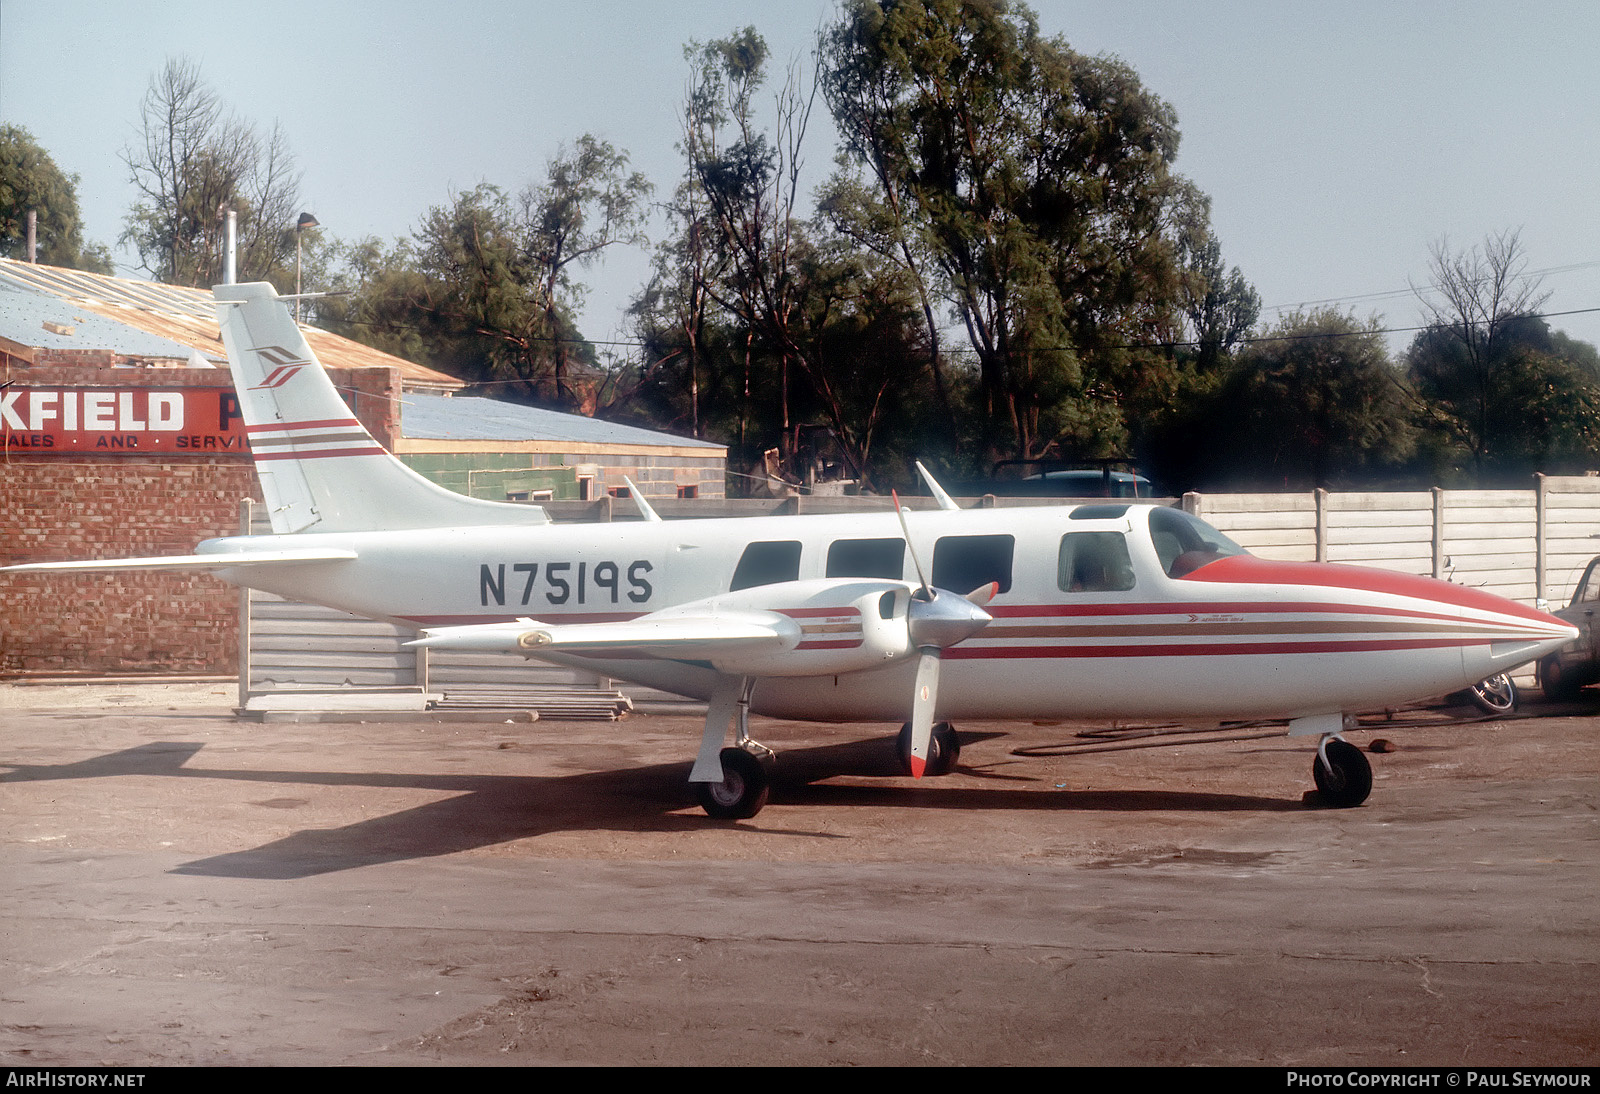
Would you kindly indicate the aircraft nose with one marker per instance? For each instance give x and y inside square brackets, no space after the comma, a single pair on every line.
[1514,634]
[1504,656]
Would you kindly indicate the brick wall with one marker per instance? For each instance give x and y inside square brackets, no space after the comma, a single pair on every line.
[57,509]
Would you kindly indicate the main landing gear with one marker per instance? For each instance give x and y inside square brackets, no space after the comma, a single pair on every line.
[731,783]
[742,791]
[734,783]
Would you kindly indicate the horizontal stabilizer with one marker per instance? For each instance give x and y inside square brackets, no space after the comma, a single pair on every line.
[214,561]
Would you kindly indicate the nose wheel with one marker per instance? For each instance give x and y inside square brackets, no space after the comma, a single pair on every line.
[1343,775]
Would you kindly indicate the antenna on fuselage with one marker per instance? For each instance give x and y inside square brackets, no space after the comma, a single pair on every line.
[645,510]
[945,500]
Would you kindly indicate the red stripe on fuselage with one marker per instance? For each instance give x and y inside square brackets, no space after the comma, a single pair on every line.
[1249,570]
[1199,649]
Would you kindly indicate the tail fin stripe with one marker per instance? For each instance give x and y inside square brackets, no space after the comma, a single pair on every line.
[284,427]
[311,439]
[302,454]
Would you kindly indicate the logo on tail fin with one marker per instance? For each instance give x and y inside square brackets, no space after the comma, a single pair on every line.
[278,376]
[288,364]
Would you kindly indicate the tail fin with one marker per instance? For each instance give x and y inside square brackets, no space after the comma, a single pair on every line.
[320,469]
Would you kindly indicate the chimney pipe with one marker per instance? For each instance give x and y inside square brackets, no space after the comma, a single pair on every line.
[230,273]
[33,236]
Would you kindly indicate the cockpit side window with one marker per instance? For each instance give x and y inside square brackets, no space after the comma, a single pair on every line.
[1184,543]
[767,563]
[1094,562]
[964,564]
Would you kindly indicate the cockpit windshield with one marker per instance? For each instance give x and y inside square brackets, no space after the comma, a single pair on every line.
[1184,543]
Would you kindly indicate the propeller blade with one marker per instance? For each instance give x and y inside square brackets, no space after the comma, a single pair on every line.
[927,590]
[922,705]
[984,593]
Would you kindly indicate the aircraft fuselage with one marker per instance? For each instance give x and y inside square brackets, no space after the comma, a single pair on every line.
[1237,637]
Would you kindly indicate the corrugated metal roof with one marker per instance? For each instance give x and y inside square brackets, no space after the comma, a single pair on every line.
[23,316]
[180,315]
[468,418]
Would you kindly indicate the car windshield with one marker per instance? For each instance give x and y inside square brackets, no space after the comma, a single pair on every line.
[1184,543]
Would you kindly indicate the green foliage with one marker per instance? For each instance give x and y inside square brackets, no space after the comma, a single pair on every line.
[484,289]
[1314,402]
[1530,402]
[1039,182]
[30,180]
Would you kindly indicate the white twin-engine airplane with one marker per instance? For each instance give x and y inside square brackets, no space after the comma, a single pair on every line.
[1099,610]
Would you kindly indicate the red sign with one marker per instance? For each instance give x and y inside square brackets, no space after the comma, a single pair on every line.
[80,421]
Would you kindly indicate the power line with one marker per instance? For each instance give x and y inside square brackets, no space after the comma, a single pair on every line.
[1390,294]
[1176,344]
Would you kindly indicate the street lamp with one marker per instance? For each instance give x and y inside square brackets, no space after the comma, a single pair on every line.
[306,221]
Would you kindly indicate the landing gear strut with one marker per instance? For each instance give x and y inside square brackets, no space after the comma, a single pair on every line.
[944,749]
[731,783]
[1343,775]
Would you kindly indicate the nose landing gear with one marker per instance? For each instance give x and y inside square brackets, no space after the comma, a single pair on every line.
[1342,773]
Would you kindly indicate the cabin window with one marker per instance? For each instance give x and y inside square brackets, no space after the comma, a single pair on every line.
[1097,512]
[965,564]
[1094,562]
[867,558]
[767,563]
[1185,543]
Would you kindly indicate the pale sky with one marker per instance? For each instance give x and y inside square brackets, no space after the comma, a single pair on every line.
[1336,140]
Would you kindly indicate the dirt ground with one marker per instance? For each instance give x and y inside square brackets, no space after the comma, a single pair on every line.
[185,887]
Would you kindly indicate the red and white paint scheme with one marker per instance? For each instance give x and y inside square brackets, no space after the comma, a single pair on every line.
[1109,610]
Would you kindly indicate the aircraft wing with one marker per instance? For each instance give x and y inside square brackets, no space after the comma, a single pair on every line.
[655,635]
[216,561]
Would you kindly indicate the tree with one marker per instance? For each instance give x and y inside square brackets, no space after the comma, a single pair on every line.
[1220,306]
[1536,407]
[484,289]
[467,281]
[193,162]
[1313,402]
[589,201]
[31,181]
[750,186]
[1484,372]
[1039,181]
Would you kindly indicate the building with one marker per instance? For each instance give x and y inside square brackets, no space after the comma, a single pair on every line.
[120,436]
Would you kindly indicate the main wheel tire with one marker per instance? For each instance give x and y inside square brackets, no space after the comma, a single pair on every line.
[742,791]
[1495,696]
[944,749]
[1349,780]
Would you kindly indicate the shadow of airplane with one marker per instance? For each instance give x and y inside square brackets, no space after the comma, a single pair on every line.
[493,809]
